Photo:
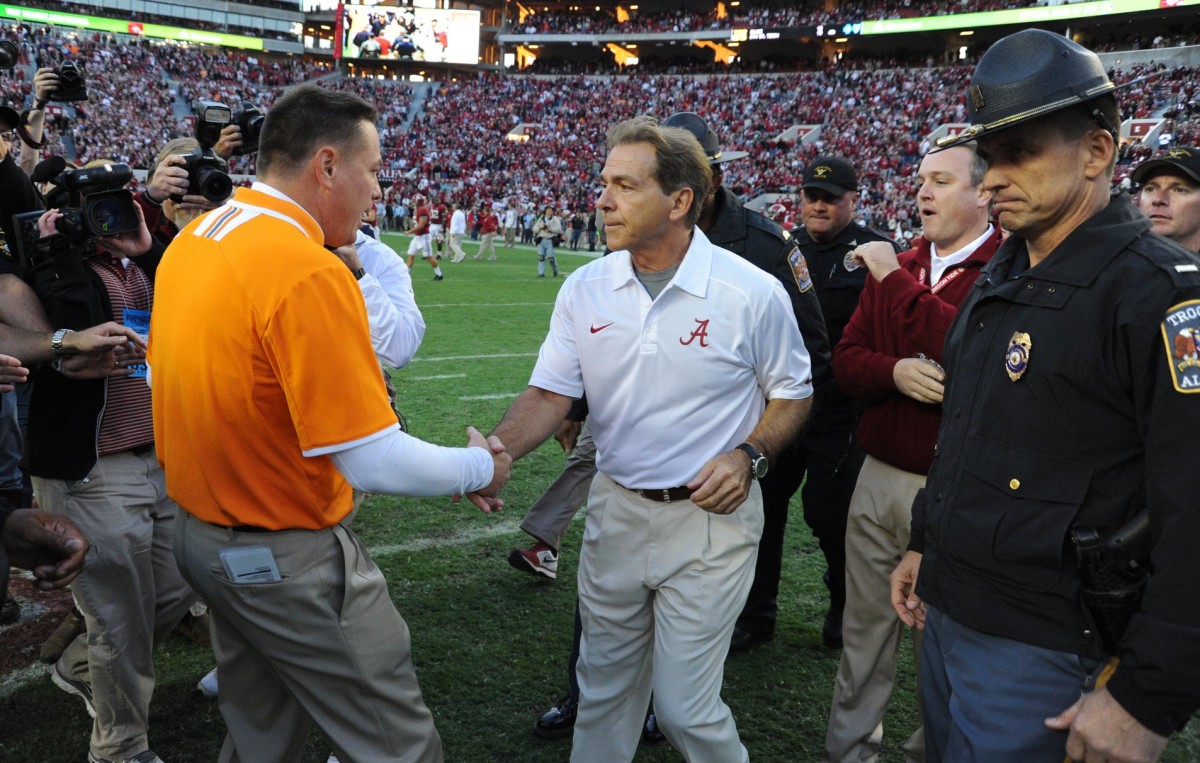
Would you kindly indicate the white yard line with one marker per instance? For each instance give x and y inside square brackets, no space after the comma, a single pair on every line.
[19,679]
[436,377]
[497,356]
[472,534]
[424,306]
[501,396]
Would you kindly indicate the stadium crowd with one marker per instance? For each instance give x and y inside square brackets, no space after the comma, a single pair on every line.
[469,147]
[141,92]
[766,14]
[140,89]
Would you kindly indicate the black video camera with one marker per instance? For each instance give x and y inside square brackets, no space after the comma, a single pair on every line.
[249,119]
[93,201]
[71,86]
[105,204]
[208,174]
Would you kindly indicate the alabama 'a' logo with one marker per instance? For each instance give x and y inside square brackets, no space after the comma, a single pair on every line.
[1181,334]
[700,332]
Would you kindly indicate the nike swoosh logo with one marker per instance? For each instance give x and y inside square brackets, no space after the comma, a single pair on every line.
[598,329]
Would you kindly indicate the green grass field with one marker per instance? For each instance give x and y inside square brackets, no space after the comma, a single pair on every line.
[490,643]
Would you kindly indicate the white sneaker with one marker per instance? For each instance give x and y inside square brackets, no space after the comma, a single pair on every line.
[208,685]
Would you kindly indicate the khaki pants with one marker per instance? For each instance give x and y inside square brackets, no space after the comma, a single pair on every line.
[487,243]
[660,586]
[130,592]
[877,535]
[455,247]
[324,646]
[549,516]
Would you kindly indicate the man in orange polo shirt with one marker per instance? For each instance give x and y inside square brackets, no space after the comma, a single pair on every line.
[268,408]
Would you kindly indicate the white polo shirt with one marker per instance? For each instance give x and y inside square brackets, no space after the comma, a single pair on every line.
[675,381]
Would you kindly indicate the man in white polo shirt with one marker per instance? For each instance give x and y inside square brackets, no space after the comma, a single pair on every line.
[705,379]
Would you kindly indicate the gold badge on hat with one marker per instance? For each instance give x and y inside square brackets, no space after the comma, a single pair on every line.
[822,172]
[1016,360]
[1178,153]
[976,97]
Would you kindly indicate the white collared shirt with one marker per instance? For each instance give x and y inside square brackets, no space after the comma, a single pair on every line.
[674,381]
[397,326]
[939,265]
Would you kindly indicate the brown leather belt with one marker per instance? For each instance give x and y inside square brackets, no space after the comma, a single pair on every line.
[663,494]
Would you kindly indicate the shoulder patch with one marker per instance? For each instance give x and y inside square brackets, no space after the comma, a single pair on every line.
[800,269]
[1181,334]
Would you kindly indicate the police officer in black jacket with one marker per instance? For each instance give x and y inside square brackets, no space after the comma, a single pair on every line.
[1072,400]
[826,453]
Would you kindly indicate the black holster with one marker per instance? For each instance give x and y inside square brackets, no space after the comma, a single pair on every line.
[1113,570]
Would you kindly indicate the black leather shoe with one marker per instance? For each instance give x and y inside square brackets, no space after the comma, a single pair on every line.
[558,722]
[745,639]
[831,630]
[650,732]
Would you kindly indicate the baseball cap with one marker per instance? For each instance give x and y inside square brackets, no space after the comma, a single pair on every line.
[1184,160]
[832,174]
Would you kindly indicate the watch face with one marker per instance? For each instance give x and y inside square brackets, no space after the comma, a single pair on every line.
[760,467]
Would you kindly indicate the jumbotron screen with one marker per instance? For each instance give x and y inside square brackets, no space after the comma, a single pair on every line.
[407,33]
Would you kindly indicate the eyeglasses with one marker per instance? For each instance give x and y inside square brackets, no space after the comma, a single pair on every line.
[9,136]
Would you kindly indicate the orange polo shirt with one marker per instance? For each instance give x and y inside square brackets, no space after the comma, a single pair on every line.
[261,365]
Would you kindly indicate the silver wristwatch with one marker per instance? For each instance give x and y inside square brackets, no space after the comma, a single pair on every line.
[56,343]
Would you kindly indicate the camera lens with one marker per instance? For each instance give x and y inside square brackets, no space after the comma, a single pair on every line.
[9,55]
[214,184]
[105,215]
[69,76]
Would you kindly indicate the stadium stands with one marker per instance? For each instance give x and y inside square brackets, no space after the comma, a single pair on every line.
[456,144]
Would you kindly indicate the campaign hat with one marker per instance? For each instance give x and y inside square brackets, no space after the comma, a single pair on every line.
[1027,75]
[708,139]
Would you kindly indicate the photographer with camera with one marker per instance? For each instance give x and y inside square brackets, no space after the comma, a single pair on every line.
[169,179]
[90,450]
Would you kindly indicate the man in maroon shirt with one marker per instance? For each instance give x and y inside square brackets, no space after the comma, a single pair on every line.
[889,355]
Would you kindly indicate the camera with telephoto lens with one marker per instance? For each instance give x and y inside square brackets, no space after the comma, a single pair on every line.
[71,86]
[208,174]
[249,119]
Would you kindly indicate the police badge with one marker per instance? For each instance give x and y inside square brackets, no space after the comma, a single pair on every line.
[1016,360]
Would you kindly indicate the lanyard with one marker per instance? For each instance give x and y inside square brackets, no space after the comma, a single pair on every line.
[946,279]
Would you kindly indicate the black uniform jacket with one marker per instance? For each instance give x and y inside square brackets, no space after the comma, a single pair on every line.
[768,247]
[1070,401]
[837,288]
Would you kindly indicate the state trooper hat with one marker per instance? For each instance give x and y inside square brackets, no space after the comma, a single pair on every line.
[1027,75]
[1184,161]
[708,139]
